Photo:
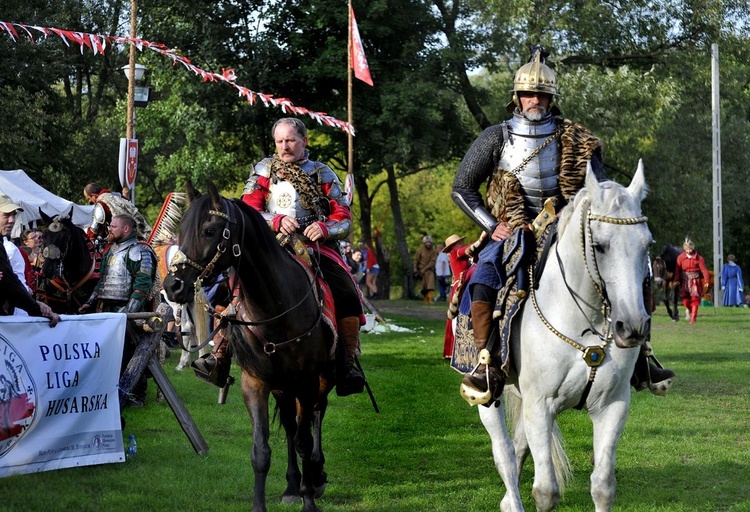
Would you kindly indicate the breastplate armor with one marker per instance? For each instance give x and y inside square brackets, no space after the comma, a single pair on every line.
[117,283]
[538,177]
[283,199]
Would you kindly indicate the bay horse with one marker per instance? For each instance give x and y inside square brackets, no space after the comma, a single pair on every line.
[280,337]
[71,264]
[576,343]
[663,269]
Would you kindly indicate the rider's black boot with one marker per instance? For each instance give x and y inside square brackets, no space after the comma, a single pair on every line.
[649,373]
[350,380]
[214,368]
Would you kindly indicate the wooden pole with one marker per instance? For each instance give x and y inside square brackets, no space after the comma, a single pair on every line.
[130,121]
[349,102]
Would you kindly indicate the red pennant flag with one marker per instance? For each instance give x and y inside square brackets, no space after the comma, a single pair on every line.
[358,59]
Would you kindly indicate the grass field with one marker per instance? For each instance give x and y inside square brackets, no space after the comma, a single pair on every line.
[427,450]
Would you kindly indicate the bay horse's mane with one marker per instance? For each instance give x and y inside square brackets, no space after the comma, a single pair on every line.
[199,209]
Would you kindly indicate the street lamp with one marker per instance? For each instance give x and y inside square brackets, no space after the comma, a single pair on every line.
[137,97]
[140,93]
[140,70]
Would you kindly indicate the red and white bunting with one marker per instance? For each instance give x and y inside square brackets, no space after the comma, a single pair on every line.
[97,43]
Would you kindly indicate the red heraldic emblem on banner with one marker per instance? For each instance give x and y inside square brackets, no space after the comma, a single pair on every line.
[131,166]
[358,59]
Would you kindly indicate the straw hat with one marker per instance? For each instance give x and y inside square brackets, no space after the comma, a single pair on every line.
[7,205]
[451,241]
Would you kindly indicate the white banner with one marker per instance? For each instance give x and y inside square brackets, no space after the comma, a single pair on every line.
[59,404]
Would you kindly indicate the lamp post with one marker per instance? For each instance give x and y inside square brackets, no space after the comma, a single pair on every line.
[137,97]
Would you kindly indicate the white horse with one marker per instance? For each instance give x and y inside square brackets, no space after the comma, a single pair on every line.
[576,344]
[191,329]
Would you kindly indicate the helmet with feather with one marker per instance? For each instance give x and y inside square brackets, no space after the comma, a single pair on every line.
[534,76]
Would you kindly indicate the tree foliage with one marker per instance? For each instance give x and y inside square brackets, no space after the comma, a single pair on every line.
[637,73]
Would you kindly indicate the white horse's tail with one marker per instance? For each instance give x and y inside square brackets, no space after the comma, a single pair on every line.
[513,406]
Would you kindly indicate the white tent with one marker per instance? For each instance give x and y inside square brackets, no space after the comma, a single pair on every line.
[31,196]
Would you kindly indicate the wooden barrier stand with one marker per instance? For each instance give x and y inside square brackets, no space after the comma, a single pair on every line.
[148,328]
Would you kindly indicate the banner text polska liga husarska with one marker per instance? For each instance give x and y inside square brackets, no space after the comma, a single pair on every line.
[59,404]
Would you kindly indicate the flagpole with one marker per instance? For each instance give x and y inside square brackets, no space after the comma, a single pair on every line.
[350,138]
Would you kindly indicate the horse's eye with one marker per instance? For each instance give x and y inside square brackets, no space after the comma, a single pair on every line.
[210,232]
[598,247]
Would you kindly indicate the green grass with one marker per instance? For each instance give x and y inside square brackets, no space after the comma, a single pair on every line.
[427,450]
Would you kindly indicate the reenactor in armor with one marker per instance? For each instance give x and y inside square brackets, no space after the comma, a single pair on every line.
[534,156]
[107,205]
[303,199]
[127,284]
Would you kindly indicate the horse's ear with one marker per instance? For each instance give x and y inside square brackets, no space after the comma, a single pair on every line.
[638,187]
[192,192]
[213,192]
[70,213]
[46,218]
[592,184]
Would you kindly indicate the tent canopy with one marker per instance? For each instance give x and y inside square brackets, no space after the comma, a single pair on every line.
[32,197]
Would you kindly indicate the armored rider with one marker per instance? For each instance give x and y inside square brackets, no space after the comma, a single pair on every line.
[107,205]
[126,286]
[534,156]
[302,198]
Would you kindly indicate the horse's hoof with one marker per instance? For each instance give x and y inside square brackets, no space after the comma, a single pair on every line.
[179,367]
[291,499]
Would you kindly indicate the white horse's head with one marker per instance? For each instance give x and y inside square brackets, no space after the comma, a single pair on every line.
[616,242]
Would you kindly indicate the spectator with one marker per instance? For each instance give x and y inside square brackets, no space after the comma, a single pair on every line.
[19,262]
[424,268]
[731,283]
[13,294]
[31,243]
[352,262]
[360,271]
[31,249]
[443,272]
[372,272]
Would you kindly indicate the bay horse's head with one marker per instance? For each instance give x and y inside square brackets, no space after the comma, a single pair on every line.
[207,245]
[56,243]
[659,269]
[616,240]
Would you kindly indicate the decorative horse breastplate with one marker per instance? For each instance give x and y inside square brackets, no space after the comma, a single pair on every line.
[532,153]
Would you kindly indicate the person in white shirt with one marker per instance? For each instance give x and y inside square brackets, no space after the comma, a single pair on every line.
[443,271]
